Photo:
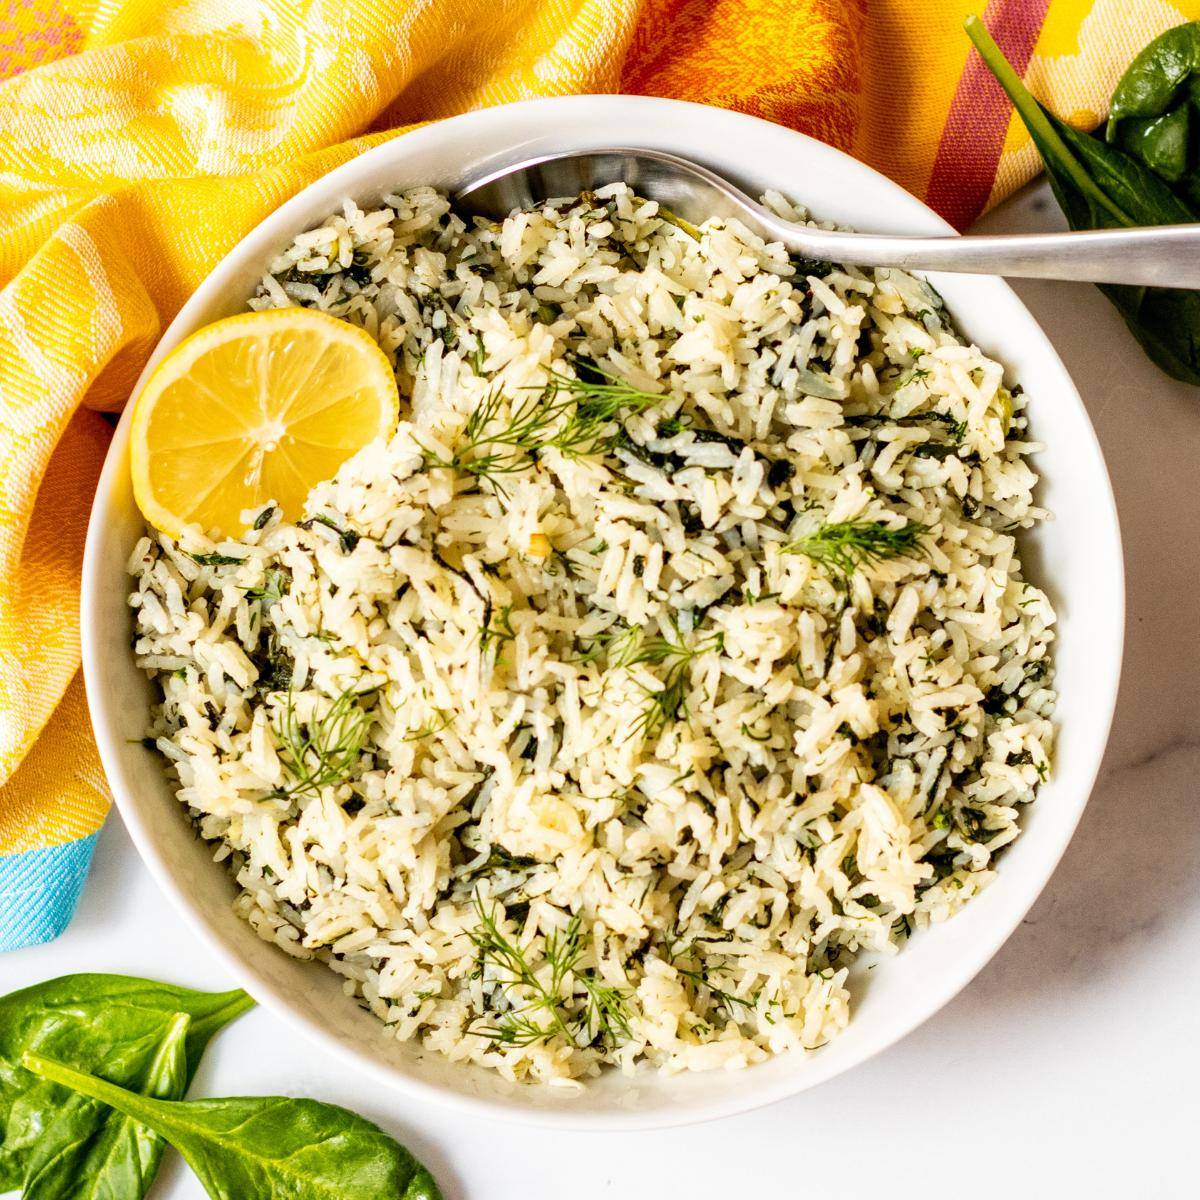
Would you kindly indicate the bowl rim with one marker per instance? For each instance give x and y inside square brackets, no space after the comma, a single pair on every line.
[281,224]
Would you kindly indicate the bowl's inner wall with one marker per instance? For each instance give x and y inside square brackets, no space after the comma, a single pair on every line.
[1076,556]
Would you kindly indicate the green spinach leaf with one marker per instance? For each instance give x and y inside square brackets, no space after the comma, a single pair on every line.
[73,1160]
[112,1024]
[1099,186]
[1154,108]
[266,1147]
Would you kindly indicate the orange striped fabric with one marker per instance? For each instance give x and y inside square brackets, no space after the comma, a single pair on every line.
[118,116]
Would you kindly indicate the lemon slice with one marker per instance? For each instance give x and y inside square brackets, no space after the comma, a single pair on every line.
[257,407]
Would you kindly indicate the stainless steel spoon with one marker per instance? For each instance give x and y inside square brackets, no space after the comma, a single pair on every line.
[1154,256]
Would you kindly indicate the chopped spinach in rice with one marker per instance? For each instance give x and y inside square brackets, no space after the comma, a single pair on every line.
[674,652]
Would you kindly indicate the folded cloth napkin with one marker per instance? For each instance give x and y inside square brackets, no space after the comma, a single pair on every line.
[140,139]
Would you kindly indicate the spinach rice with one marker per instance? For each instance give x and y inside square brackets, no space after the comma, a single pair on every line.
[674,652]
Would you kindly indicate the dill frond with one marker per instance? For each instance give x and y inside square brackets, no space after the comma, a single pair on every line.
[322,752]
[663,649]
[669,702]
[515,1029]
[538,1013]
[494,444]
[610,644]
[664,706]
[496,630]
[572,414]
[842,547]
[600,399]
[442,719]
[607,1012]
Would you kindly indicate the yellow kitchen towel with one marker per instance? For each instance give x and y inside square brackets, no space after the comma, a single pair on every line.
[140,139]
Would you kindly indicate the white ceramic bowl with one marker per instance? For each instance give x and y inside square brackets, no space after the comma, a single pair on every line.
[1077,556]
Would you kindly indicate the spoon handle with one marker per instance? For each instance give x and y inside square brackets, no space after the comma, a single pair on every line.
[1152,256]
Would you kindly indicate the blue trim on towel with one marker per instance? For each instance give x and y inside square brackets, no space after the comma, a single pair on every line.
[39,890]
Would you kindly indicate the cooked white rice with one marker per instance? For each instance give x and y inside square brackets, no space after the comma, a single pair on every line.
[549,855]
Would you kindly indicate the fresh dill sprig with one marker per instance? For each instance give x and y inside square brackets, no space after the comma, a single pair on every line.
[572,414]
[539,1012]
[607,1012]
[442,719]
[700,978]
[611,643]
[842,547]
[600,398]
[322,752]
[537,1015]
[669,702]
[663,649]
[493,444]
[496,630]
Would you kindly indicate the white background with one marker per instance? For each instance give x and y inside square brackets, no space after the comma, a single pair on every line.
[1068,1068]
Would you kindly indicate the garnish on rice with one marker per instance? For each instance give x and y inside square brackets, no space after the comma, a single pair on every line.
[539,1002]
[321,750]
[845,546]
[576,415]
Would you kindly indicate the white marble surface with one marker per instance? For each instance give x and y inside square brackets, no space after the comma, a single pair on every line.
[1068,1068]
